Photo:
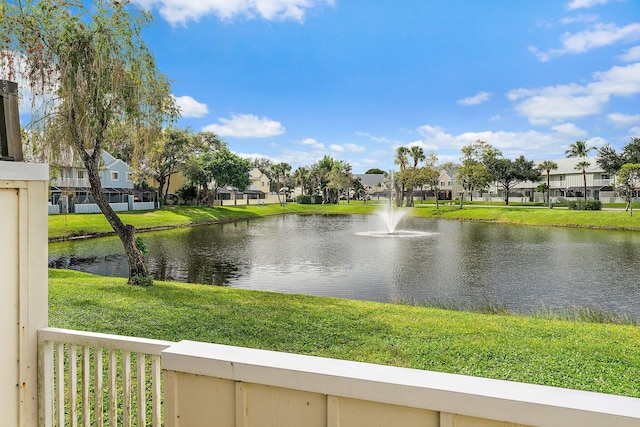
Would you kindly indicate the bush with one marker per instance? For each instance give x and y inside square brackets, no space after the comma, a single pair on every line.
[304,199]
[585,205]
[309,200]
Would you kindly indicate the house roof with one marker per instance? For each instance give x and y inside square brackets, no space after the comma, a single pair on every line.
[568,165]
[370,179]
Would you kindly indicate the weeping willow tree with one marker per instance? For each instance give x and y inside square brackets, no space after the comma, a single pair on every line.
[90,75]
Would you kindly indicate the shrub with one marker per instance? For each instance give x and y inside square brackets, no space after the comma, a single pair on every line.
[309,200]
[585,205]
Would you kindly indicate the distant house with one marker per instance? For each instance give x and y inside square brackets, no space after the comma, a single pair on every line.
[71,192]
[566,182]
[373,183]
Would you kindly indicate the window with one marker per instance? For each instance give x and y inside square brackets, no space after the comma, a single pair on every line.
[115,176]
[81,174]
[441,183]
[129,176]
[449,183]
[605,176]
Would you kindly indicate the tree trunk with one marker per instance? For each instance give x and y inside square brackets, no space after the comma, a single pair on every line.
[166,191]
[584,176]
[548,190]
[161,179]
[138,273]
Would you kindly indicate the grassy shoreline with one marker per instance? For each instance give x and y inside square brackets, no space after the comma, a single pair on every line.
[68,226]
[564,353]
[578,355]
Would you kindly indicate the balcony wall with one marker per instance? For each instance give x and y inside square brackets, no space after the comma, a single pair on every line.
[23,306]
[216,385]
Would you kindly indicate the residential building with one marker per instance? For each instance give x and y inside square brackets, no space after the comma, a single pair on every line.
[71,192]
[566,182]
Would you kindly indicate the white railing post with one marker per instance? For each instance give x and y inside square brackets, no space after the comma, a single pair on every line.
[66,387]
[23,306]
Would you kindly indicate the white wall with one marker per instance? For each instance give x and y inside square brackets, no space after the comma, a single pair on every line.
[23,306]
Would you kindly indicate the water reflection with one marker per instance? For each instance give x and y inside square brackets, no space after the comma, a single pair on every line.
[523,268]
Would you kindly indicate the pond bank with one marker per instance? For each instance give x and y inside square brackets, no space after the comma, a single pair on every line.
[74,226]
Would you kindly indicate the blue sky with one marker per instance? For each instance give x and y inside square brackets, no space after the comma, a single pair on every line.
[294,80]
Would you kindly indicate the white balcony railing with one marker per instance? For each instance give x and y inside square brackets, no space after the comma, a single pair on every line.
[209,384]
[72,389]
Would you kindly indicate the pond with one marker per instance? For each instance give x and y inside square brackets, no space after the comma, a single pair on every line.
[450,262]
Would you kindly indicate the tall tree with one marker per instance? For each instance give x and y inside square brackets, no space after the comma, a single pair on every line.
[401,159]
[301,175]
[93,71]
[340,178]
[628,180]
[548,166]
[170,154]
[417,155]
[609,160]
[281,170]
[217,169]
[473,174]
[580,150]
[582,165]
[509,173]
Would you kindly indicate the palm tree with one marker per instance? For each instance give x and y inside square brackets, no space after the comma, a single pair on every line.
[281,169]
[583,165]
[548,166]
[402,161]
[579,149]
[417,153]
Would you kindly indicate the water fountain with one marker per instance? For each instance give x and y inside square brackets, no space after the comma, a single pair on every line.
[391,217]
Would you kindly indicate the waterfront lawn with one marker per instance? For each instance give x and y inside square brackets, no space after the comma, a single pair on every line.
[66,225]
[61,226]
[577,355]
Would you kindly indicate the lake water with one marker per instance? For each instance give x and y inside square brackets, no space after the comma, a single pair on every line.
[465,263]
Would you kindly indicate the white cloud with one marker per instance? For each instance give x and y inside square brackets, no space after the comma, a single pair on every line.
[246,126]
[631,55]
[354,148]
[189,107]
[531,144]
[623,120]
[569,129]
[579,18]
[579,4]
[179,12]
[478,98]
[635,130]
[599,36]
[558,103]
[317,146]
[347,147]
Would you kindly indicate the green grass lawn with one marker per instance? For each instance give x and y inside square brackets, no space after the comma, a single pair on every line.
[578,355]
[61,226]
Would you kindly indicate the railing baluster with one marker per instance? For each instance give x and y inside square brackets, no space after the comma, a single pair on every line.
[59,385]
[156,390]
[142,390]
[86,379]
[112,389]
[46,383]
[98,373]
[61,349]
[126,389]
[73,385]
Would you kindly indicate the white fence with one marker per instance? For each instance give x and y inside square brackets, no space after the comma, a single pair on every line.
[218,385]
[72,387]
